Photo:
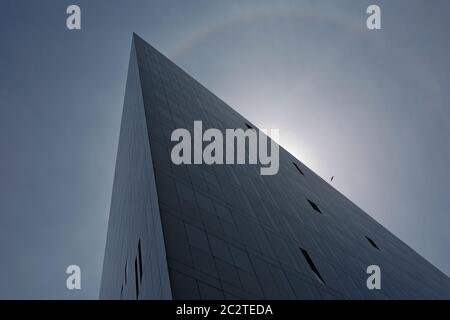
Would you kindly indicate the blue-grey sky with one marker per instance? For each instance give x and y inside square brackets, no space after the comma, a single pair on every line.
[371,108]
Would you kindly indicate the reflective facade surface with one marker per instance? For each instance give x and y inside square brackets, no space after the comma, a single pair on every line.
[225,231]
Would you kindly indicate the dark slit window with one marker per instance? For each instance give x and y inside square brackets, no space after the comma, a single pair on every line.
[136,277]
[140,260]
[372,243]
[314,206]
[126,272]
[312,265]
[298,168]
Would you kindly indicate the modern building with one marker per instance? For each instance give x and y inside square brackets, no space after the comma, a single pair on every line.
[225,231]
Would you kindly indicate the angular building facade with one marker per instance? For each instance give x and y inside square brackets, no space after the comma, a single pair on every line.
[225,231]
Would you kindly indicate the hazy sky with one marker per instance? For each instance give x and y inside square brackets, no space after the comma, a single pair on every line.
[371,108]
